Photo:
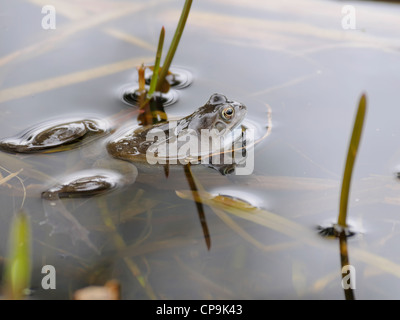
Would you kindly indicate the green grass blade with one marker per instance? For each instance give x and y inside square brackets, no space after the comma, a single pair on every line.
[156,68]
[351,156]
[174,43]
[18,266]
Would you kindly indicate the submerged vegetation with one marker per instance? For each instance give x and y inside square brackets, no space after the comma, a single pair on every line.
[18,266]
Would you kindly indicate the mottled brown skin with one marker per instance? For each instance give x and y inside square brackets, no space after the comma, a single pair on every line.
[82,187]
[132,145]
[40,139]
[218,113]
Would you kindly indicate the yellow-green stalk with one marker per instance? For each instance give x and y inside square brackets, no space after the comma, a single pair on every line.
[18,265]
[351,156]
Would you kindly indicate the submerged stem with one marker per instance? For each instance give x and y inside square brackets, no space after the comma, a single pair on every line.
[200,209]
[120,245]
[351,156]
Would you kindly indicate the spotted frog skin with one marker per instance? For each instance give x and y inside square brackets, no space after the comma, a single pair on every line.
[218,113]
[50,136]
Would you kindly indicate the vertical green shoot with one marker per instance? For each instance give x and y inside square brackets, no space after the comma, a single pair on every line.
[18,266]
[156,68]
[174,44]
[351,156]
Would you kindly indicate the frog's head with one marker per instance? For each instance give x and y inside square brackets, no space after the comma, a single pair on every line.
[218,113]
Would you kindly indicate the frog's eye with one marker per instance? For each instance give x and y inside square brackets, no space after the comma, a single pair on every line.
[228,113]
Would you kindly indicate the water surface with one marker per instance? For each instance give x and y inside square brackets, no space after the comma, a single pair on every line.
[293,65]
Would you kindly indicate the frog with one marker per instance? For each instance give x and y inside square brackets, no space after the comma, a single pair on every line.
[115,160]
[219,114]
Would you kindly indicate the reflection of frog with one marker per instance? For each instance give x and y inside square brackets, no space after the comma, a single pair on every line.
[218,113]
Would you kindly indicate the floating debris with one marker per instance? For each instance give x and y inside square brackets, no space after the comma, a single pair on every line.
[220,201]
[86,183]
[51,135]
[335,231]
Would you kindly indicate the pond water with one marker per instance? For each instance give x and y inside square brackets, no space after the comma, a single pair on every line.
[300,74]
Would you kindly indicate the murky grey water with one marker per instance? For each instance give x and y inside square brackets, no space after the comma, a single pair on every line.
[293,59]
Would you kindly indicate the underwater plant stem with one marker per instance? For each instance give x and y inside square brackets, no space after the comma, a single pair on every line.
[18,266]
[344,261]
[351,156]
[200,209]
[156,68]
[174,44]
[120,245]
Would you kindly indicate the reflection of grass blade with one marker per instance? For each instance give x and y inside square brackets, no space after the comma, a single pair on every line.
[120,244]
[10,176]
[351,156]
[253,214]
[290,228]
[18,266]
[241,232]
[174,44]
[156,64]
